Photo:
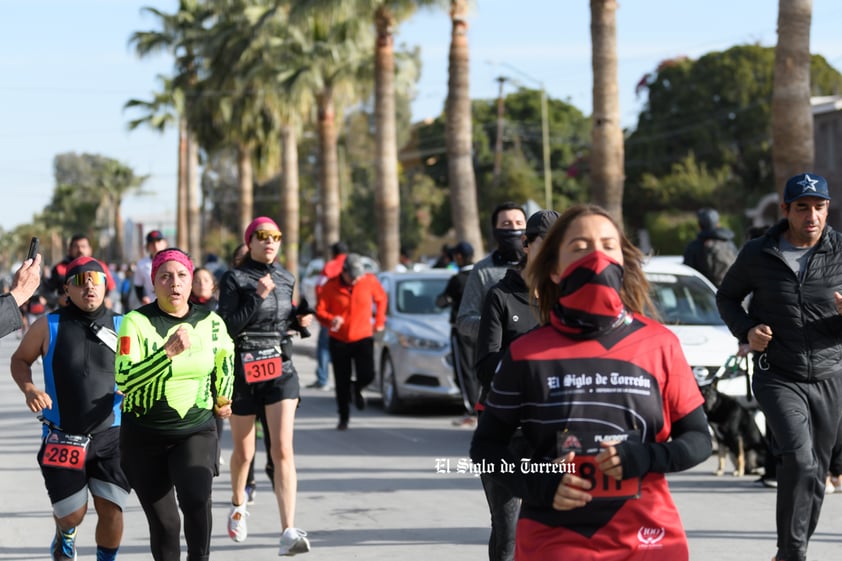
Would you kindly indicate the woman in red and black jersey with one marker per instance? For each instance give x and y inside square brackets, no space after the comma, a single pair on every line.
[606,399]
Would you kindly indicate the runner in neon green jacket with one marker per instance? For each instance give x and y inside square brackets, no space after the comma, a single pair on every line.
[175,365]
[173,394]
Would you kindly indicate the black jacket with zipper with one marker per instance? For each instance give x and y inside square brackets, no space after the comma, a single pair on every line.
[506,315]
[806,327]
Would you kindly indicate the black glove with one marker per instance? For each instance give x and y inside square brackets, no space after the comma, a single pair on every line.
[302,309]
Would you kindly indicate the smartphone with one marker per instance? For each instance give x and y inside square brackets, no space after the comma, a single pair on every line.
[33,248]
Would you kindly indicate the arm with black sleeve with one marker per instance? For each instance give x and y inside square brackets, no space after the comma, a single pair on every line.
[237,305]
[491,445]
[689,445]
[490,338]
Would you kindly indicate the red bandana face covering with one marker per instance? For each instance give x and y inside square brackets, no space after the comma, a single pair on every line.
[590,303]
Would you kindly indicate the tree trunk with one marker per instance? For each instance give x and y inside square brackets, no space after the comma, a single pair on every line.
[460,172]
[290,211]
[793,149]
[194,226]
[387,192]
[181,196]
[498,142]
[246,187]
[328,173]
[607,175]
[119,232]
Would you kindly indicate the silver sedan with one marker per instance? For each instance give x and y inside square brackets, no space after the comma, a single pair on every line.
[412,356]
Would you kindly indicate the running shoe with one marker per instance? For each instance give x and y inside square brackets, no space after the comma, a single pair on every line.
[63,547]
[293,541]
[359,400]
[251,493]
[237,523]
[468,422]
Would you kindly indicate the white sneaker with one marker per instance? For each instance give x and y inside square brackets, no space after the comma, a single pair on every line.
[237,523]
[293,541]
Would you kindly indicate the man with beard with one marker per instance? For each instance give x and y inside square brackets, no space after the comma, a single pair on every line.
[80,410]
[79,246]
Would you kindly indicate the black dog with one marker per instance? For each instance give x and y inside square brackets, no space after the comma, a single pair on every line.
[735,430]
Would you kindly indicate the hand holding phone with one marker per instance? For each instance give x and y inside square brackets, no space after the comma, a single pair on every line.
[33,248]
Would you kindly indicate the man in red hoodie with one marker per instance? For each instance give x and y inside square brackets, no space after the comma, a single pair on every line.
[345,305]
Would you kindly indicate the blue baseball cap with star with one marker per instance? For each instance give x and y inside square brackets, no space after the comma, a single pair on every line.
[806,185]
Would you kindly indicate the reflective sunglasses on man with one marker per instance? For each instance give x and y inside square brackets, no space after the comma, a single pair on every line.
[264,235]
[95,277]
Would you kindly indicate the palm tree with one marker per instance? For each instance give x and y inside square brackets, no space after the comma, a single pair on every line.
[385,15]
[460,172]
[165,109]
[181,34]
[235,115]
[332,52]
[251,52]
[607,175]
[793,149]
[294,103]
[114,182]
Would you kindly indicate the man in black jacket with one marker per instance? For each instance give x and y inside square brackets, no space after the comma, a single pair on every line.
[794,327]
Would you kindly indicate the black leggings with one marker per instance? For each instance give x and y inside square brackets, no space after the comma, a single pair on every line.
[347,358]
[160,465]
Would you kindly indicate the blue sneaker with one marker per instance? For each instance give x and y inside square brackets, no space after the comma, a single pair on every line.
[251,493]
[63,547]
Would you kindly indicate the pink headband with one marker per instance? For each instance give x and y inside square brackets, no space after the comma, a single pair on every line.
[171,254]
[257,222]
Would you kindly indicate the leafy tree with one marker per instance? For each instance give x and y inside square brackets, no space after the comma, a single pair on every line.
[88,195]
[522,164]
[717,108]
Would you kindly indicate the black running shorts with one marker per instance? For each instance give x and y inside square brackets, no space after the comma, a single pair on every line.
[102,476]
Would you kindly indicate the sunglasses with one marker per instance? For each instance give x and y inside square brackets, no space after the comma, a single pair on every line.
[264,235]
[82,279]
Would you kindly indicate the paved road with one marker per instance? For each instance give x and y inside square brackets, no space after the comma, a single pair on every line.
[373,493]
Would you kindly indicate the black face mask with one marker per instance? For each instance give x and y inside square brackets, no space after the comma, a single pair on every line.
[509,244]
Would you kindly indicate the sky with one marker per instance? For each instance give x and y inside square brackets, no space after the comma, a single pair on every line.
[67,70]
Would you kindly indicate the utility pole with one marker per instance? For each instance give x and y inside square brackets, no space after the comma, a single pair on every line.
[498,146]
[545,137]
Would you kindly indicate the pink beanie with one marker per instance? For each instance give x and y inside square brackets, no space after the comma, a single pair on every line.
[171,254]
[257,222]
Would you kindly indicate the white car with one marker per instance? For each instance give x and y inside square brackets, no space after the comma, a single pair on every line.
[686,301]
